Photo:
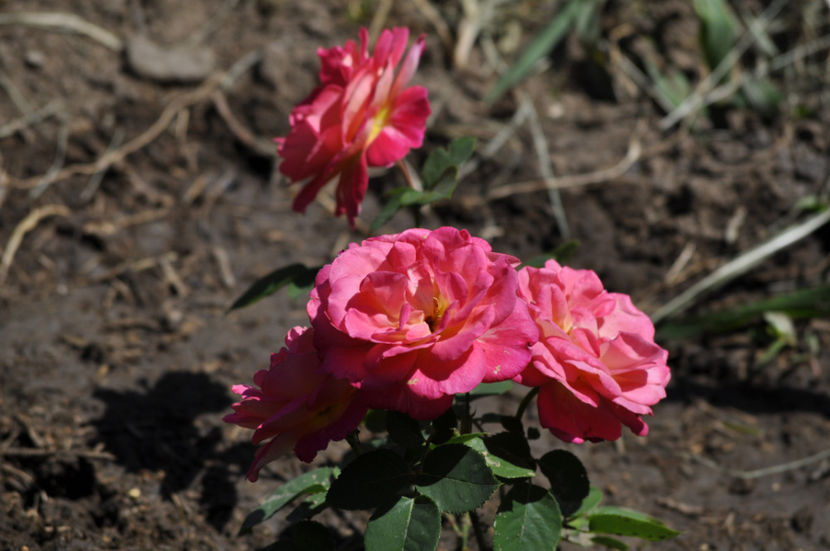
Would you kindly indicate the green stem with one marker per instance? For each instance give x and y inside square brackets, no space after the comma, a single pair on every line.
[467,420]
[526,402]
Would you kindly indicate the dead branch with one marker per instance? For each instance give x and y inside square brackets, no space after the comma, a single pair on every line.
[64,22]
[26,225]
[259,145]
[633,154]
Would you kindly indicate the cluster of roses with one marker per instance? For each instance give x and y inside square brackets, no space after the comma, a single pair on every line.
[405,322]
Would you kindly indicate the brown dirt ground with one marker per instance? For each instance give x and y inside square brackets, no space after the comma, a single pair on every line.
[116,355]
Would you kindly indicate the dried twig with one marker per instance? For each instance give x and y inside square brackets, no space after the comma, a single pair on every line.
[135,144]
[742,264]
[57,162]
[633,154]
[35,452]
[697,99]
[135,266]
[26,225]
[540,144]
[766,471]
[379,19]
[262,146]
[432,15]
[64,22]
[31,118]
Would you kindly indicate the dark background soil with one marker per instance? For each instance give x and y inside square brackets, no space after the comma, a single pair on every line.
[116,355]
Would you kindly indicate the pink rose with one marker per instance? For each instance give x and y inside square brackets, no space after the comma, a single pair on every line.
[360,115]
[295,404]
[415,318]
[596,361]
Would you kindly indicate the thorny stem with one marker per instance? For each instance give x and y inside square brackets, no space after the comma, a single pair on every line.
[526,402]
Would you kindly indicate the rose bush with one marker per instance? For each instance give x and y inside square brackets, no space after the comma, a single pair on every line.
[295,404]
[596,361]
[413,319]
[361,115]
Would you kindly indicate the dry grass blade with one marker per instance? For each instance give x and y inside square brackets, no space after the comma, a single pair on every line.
[26,225]
[65,22]
[633,154]
[697,100]
[741,265]
[432,15]
[31,118]
[540,144]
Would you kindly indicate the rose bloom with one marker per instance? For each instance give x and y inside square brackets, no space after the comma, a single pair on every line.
[295,404]
[361,115]
[415,318]
[596,361]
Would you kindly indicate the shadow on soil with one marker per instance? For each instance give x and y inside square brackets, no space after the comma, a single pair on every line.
[155,430]
[751,398]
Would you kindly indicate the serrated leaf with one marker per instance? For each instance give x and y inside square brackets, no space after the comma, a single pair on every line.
[539,47]
[568,479]
[297,274]
[625,522]
[499,465]
[529,519]
[409,525]
[456,478]
[311,482]
[404,430]
[371,480]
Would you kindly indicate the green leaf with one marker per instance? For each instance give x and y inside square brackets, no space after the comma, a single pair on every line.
[443,428]
[374,478]
[590,502]
[672,89]
[497,463]
[762,95]
[568,479]
[624,522]
[409,525]
[804,303]
[308,534]
[441,161]
[718,29]
[529,519]
[312,482]
[491,389]
[541,46]
[404,430]
[439,176]
[456,478]
[296,274]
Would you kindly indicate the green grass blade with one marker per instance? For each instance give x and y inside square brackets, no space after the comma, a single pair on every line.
[544,43]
